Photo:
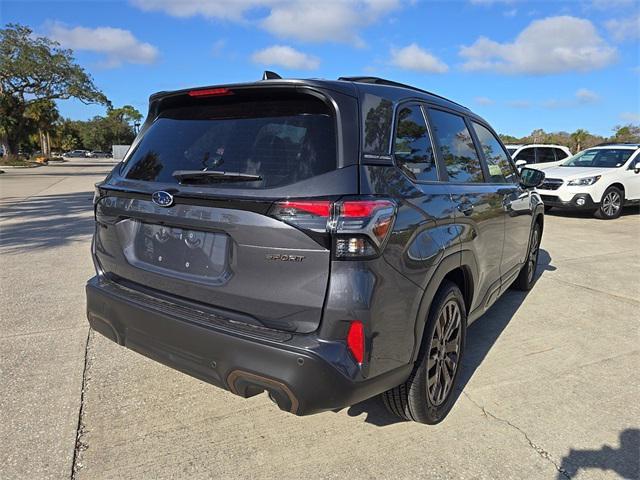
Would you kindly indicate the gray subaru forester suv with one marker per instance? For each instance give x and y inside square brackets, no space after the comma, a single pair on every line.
[323,241]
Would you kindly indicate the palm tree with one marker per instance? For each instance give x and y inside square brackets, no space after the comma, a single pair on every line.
[43,114]
[578,138]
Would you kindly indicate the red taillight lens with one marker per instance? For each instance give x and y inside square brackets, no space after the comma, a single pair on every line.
[362,208]
[355,340]
[210,92]
[305,214]
[321,208]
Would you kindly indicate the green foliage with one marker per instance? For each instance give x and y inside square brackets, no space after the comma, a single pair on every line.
[99,133]
[35,70]
[626,133]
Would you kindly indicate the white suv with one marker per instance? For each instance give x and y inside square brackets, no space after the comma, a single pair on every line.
[602,179]
[537,153]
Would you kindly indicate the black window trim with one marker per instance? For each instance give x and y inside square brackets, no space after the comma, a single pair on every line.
[484,160]
[440,160]
[422,106]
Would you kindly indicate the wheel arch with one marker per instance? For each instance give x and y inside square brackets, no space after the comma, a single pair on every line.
[455,268]
[619,186]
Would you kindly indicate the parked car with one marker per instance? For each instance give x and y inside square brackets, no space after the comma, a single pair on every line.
[537,153]
[602,179]
[324,241]
[77,154]
[99,154]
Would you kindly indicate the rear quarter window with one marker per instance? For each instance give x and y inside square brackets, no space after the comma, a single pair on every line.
[281,139]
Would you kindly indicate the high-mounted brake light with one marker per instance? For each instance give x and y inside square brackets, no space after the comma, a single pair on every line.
[210,92]
[355,340]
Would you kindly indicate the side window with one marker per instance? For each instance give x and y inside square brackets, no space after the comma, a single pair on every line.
[560,154]
[544,154]
[412,146]
[456,147]
[500,169]
[527,154]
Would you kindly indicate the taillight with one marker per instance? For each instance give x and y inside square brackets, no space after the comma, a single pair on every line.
[308,214]
[355,340]
[359,227]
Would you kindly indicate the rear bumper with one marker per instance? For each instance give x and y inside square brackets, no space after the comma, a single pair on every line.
[580,201]
[302,373]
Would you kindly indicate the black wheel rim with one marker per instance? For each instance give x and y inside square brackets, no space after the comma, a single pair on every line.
[532,260]
[444,352]
[611,203]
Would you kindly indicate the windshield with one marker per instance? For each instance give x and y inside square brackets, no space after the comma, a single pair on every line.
[511,150]
[279,141]
[601,158]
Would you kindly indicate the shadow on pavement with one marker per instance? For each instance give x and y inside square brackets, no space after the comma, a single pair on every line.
[481,336]
[45,221]
[624,461]
[554,212]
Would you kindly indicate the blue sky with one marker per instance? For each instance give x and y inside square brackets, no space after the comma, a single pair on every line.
[522,65]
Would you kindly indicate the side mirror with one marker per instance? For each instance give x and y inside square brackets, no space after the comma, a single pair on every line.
[636,169]
[520,163]
[531,178]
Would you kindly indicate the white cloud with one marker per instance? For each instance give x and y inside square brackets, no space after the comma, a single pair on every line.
[483,101]
[119,46]
[519,104]
[609,4]
[630,117]
[287,57]
[305,20]
[552,45]
[624,29]
[412,57]
[584,95]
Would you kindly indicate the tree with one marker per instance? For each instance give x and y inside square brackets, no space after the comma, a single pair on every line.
[32,70]
[578,139]
[43,114]
[626,133]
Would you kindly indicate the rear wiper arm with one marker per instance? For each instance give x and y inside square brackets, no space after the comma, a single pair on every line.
[215,175]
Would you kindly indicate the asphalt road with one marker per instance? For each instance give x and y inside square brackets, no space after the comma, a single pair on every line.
[551,379]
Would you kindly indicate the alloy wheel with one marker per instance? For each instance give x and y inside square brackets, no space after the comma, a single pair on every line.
[532,260]
[444,353]
[611,203]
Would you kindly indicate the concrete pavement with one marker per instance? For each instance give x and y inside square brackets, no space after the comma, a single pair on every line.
[551,381]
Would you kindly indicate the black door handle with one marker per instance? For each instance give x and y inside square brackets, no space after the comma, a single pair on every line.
[465,208]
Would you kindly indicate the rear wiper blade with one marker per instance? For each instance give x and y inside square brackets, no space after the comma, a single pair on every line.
[215,175]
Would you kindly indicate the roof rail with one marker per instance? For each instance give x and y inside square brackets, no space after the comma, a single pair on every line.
[604,144]
[391,83]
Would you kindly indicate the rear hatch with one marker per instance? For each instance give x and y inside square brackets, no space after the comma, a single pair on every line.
[190,212]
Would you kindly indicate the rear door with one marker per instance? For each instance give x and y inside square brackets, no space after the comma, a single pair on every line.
[515,200]
[479,209]
[232,244]
[545,155]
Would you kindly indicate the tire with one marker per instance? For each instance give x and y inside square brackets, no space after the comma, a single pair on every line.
[527,276]
[611,204]
[413,400]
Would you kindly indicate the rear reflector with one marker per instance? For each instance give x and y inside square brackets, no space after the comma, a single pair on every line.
[210,92]
[355,340]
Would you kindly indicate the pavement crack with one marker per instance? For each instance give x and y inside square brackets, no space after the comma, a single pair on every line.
[81,444]
[538,449]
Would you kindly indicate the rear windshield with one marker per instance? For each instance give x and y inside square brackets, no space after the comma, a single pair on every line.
[282,140]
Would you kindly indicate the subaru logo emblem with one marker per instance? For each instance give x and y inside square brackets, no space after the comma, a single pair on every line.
[162,198]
